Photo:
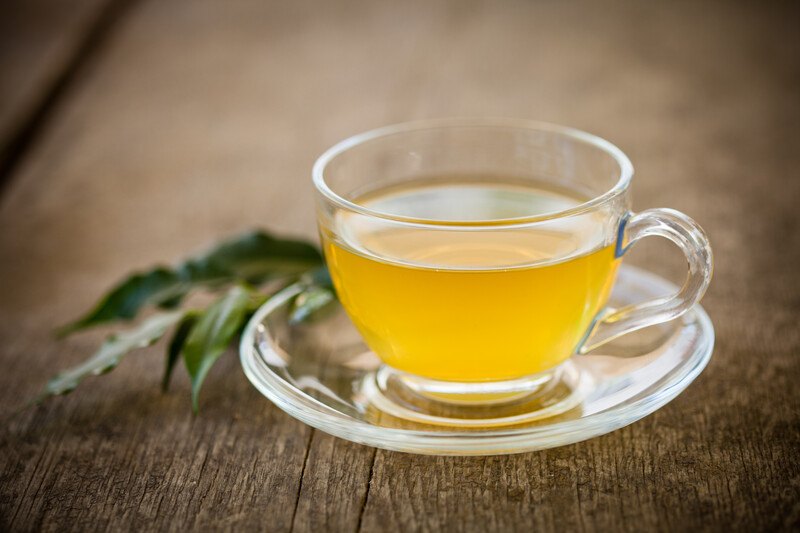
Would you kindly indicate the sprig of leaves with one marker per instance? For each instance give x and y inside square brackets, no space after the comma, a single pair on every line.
[236,268]
[253,258]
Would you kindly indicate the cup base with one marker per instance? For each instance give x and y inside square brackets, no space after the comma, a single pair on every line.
[388,392]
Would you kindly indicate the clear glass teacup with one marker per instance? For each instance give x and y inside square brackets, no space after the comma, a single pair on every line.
[476,257]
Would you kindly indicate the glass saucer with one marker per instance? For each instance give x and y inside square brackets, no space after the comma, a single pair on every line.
[321,373]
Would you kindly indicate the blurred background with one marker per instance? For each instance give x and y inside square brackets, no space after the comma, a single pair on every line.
[138,131]
[135,132]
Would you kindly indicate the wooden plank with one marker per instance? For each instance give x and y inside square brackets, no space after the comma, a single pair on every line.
[41,41]
[203,119]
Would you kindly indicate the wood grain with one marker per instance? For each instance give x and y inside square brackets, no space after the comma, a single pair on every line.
[203,118]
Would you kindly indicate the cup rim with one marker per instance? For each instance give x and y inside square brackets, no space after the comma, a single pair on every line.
[620,186]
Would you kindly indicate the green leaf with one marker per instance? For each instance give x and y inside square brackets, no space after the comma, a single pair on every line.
[253,257]
[176,345]
[211,335]
[316,298]
[312,303]
[159,286]
[111,352]
[319,276]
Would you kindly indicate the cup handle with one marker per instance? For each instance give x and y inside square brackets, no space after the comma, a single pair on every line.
[683,231]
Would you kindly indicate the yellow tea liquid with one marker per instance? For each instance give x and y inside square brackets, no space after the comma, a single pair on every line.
[468,305]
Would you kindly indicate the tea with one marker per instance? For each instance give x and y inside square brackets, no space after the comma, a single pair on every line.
[497,303]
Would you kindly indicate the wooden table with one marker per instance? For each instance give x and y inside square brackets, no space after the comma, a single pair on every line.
[136,132]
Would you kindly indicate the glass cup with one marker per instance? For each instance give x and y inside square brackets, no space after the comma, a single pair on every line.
[476,257]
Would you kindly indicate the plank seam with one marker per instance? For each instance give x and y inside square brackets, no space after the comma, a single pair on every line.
[302,476]
[89,47]
[366,493]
